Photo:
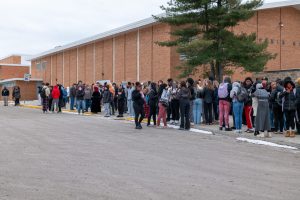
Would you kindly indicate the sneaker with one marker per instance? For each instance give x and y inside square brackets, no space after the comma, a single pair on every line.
[221,128]
[138,127]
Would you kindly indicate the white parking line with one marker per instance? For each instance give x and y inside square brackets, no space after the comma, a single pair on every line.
[261,142]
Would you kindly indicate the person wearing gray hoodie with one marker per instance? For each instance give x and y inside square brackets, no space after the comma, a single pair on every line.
[87,97]
[238,106]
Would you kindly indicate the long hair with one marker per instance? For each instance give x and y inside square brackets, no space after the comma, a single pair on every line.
[210,85]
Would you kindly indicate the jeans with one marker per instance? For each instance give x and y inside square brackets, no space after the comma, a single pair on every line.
[191,113]
[162,114]
[80,105]
[72,102]
[224,110]
[185,114]
[197,110]
[107,109]
[238,114]
[272,118]
[290,119]
[130,107]
[278,118]
[88,103]
[54,104]
[208,112]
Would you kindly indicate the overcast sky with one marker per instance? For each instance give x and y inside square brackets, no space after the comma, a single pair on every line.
[33,26]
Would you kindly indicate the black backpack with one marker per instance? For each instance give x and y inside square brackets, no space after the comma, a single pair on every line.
[43,93]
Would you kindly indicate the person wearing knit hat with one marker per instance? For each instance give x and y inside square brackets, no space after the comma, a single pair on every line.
[289,106]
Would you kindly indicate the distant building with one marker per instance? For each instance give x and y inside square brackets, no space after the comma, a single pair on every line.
[130,53]
[12,71]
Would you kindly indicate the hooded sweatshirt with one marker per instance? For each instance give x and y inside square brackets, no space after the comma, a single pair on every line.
[235,89]
[55,92]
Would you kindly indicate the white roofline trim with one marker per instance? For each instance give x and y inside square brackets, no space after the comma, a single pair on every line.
[137,25]
[279,4]
[14,65]
[19,79]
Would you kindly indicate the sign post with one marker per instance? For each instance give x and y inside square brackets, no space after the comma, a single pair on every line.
[27,77]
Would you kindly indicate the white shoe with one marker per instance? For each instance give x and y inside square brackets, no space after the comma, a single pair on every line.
[261,135]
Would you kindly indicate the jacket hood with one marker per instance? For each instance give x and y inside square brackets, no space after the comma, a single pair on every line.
[236,84]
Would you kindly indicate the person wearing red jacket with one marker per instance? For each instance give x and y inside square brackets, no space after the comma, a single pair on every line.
[55,96]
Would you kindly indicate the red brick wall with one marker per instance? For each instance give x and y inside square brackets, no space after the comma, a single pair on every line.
[146,54]
[8,72]
[131,56]
[120,58]
[89,64]
[11,60]
[107,60]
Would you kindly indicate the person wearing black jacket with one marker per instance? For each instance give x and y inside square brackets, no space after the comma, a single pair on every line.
[276,102]
[184,96]
[5,95]
[208,99]
[190,83]
[121,101]
[289,106]
[138,105]
[152,102]
[248,85]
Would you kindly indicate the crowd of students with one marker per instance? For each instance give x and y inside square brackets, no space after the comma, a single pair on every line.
[263,106]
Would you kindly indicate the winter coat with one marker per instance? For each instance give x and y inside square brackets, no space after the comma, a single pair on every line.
[73,92]
[274,97]
[208,95]
[5,92]
[153,97]
[107,96]
[234,92]
[55,92]
[87,93]
[80,92]
[16,93]
[193,94]
[249,101]
[137,98]
[47,90]
[184,94]
[289,100]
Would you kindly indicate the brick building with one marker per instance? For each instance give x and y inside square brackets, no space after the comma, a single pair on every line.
[12,71]
[130,53]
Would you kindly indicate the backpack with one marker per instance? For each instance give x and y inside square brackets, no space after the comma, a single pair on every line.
[242,95]
[223,91]
[43,93]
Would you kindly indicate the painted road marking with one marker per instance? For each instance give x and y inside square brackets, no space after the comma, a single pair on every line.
[261,142]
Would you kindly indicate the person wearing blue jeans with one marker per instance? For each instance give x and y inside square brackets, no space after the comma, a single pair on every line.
[238,108]
[197,111]
[80,106]
[129,91]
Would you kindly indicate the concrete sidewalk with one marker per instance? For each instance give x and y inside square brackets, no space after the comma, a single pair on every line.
[276,138]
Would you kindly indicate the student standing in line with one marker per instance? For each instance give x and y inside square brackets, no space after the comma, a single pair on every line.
[138,105]
[152,102]
[5,95]
[163,106]
[88,97]
[17,95]
[184,96]
[208,99]
[80,98]
[121,101]
[198,104]
[107,98]
[45,93]
[55,99]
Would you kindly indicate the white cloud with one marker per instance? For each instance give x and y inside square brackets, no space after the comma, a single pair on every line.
[33,26]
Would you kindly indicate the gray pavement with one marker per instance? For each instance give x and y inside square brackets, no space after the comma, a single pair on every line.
[63,156]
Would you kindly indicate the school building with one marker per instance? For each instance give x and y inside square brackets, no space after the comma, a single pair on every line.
[12,71]
[130,53]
